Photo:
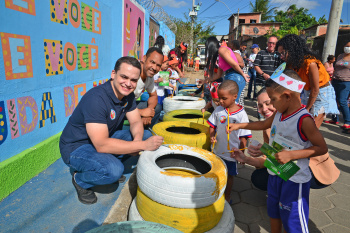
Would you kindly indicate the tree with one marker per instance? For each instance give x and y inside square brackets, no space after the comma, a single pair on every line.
[296,17]
[264,7]
[201,31]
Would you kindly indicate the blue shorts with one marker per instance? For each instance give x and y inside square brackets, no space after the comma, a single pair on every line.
[289,202]
[231,167]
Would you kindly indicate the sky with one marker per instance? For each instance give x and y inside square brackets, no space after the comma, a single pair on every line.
[217,12]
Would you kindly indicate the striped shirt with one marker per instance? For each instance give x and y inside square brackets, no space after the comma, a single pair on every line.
[267,62]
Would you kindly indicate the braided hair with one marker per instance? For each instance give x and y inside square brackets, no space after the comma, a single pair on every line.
[297,50]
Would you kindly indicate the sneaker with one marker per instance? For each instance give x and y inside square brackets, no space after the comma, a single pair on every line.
[85,196]
[345,126]
[332,122]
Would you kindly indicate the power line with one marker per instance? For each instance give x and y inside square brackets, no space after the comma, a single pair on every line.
[207,8]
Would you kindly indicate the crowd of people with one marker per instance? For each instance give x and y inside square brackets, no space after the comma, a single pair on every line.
[294,92]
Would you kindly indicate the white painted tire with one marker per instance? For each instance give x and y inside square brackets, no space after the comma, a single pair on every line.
[182,102]
[179,190]
[225,225]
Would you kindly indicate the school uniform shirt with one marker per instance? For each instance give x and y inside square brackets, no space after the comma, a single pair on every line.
[218,120]
[148,85]
[174,76]
[159,89]
[289,127]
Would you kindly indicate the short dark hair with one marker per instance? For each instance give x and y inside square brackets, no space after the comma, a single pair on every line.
[229,85]
[128,60]
[244,44]
[154,49]
[291,73]
[330,57]
[236,44]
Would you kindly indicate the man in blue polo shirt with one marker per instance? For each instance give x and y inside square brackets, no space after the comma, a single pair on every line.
[90,140]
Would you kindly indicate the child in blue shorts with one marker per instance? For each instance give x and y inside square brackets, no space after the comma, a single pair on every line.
[228,112]
[292,124]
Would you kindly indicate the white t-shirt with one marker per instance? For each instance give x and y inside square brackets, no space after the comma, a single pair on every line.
[159,89]
[174,76]
[218,120]
[289,127]
[148,85]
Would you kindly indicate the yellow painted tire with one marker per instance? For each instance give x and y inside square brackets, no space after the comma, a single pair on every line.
[181,176]
[185,220]
[188,115]
[225,225]
[184,133]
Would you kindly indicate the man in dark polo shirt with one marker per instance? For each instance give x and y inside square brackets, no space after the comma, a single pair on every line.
[266,62]
[90,140]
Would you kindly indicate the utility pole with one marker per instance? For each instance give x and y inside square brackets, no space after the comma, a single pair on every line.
[330,41]
[192,14]
[236,22]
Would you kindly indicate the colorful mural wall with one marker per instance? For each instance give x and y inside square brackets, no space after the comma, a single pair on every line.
[153,32]
[134,29]
[51,53]
[168,35]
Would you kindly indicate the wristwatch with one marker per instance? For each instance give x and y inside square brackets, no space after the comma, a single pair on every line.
[262,74]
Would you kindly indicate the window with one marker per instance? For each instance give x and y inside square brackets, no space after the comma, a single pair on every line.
[202,51]
[253,21]
[241,21]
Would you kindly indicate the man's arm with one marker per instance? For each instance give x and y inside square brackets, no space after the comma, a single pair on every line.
[136,125]
[99,136]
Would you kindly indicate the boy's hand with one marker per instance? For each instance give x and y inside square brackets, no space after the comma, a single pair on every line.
[213,139]
[255,150]
[203,110]
[283,157]
[232,127]
[238,155]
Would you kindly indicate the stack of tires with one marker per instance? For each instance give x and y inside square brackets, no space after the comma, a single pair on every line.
[182,102]
[185,133]
[188,115]
[182,187]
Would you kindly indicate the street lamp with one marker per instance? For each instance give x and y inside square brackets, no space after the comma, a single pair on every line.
[236,19]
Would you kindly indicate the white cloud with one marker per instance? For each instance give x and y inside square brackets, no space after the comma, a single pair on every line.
[307,4]
[172,3]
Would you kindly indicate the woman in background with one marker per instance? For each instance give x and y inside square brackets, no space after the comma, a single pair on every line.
[160,43]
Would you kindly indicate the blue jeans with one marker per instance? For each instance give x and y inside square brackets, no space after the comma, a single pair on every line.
[95,168]
[234,76]
[342,90]
[158,109]
[252,81]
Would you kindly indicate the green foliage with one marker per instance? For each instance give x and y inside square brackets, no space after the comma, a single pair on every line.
[294,20]
[298,18]
[264,7]
[201,31]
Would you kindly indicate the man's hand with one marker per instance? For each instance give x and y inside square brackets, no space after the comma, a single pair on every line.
[154,142]
[203,110]
[266,76]
[146,120]
[255,150]
[192,94]
[232,127]
[147,112]
[283,157]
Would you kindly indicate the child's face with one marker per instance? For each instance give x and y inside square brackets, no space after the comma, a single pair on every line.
[216,101]
[165,65]
[278,100]
[226,99]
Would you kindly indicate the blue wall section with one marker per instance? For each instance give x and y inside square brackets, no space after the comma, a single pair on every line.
[39,86]
[168,35]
